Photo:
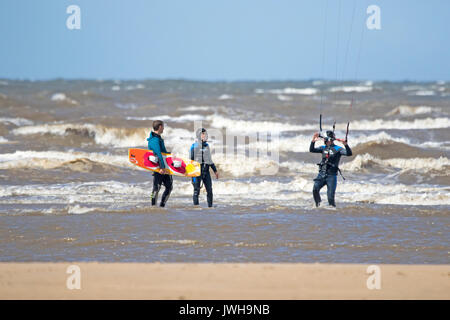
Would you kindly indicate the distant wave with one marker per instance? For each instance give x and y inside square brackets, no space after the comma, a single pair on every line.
[249,126]
[409,111]
[117,137]
[225,97]
[61,97]
[424,93]
[198,108]
[17,121]
[380,124]
[347,89]
[77,161]
[218,121]
[183,118]
[302,91]
[423,165]
[392,149]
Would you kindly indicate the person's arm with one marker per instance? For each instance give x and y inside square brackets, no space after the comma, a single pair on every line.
[347,151]
[192,152]
[311,146]
[313,149]
[157,151]
[210,162]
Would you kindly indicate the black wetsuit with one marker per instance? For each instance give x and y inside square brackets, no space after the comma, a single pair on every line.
[201,153]
[156,144]
[328,169]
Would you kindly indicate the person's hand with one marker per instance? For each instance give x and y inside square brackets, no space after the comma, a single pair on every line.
[315,137]
[217,175]
[162,171]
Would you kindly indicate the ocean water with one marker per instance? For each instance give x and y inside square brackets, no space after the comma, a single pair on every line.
[68,192]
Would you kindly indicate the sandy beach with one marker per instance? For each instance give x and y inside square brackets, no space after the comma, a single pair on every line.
[222,281]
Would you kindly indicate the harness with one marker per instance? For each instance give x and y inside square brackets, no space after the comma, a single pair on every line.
[203,166]
[325,164]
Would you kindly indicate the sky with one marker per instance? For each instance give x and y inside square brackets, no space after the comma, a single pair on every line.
[225,40]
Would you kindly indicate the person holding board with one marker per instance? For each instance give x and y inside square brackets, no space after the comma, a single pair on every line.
[201,153]
[329,166]
[156,144]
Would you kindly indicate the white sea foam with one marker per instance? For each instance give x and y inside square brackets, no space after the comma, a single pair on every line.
[117,137]
[422,165]
[283,98]
[126,106]
[54,159]
[79,210]
[408,110]
[218,121]
[17,121]
[177,138]
[424,93]
[172,241]
[301,91]
[296,191]
[61,97]
[115,88]
[226,97]
[199,108]
[300,143]
[183,118]
[248,126]
[348,89]
[380,124]
[343,102]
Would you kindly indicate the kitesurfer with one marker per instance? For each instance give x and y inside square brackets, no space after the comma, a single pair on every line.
[201,153]
[156,144]
[329,166]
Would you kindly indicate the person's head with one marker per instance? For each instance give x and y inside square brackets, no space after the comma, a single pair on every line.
[201,134]
[329,138]
[158,126]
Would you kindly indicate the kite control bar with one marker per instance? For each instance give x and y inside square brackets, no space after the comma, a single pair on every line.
[334,128]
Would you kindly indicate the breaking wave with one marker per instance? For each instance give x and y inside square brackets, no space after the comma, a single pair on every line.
[347,89]
[112,196]
[302,91]
[17,121]
[77,161]
[409,111]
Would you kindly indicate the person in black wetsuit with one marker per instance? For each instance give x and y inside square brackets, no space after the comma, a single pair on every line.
[329,166]
[201,153]
[156,144]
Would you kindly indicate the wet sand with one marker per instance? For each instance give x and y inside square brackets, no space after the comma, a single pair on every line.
[222,281]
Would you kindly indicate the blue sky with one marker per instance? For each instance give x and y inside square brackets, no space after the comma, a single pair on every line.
[225,40]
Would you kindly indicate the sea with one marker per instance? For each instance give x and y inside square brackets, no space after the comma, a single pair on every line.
[69,193]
